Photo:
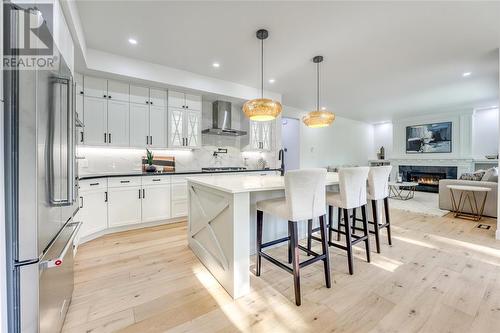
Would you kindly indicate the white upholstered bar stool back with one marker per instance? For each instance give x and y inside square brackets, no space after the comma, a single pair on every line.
[304,200]
[352,195]
[378,189]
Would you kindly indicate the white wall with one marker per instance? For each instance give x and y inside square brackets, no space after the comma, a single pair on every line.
[345,142]
[485,132]
[383,137]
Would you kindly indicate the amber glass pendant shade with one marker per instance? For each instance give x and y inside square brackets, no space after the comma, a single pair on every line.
[262,109]
[318,118]
[315,119]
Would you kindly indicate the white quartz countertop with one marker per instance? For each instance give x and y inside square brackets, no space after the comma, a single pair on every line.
[250,183]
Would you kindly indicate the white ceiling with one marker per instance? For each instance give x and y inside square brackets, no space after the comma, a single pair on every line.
[382,60]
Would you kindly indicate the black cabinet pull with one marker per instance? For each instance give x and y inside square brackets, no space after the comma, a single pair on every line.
[105,137]
[151,102]
[150,139]
[109,137]
[147,139]
[94,184]
[81,92]
[143,193]
[109,96]
[156,180]
[81,202]
[106,196]
[124,181]
[147,102]
[81,136]
[104,96]
[139,193]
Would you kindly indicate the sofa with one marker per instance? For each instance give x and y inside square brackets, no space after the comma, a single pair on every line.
[490,207]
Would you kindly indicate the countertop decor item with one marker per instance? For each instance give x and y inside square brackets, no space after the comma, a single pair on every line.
[319,117]
[262,109]
[149,159]
[381,153]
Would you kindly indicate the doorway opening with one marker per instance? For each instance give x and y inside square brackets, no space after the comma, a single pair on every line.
[290,140]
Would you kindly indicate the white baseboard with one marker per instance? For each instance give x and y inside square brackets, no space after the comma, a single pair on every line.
[498,234]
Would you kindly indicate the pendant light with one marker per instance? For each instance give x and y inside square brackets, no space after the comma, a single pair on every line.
[262,109]
[318,117]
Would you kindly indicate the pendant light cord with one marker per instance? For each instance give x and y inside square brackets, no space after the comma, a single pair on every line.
[262,69]
[317,87]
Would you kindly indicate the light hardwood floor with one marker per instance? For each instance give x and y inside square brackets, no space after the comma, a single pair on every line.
[441,275]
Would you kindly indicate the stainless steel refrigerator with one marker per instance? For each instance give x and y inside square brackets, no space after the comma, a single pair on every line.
[41,187]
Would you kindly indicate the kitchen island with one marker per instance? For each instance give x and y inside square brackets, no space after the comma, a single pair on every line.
[222,219]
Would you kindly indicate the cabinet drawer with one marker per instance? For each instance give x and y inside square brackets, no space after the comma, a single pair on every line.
[155,180]
[179,179]
[179,191]
[93,184]
[124,181]
[179,208]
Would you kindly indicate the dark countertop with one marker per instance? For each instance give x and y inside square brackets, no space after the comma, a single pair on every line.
[188,172]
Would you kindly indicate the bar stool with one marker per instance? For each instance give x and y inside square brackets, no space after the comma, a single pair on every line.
[378,189]
[352,195]
[304,200]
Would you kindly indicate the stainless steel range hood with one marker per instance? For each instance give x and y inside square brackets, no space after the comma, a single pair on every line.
[221,120]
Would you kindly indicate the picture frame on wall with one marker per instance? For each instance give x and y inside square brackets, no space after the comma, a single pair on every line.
[429,138]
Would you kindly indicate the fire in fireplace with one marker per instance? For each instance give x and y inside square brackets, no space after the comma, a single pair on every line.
[427,177]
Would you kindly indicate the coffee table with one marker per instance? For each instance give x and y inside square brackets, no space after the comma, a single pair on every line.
[469,194]
[402,191]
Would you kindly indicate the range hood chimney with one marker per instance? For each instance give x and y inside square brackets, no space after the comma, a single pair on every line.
[221,120]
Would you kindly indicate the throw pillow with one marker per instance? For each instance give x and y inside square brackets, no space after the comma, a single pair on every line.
[489,174]
[476,176]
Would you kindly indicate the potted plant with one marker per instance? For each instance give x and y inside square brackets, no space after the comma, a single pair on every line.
[149,161]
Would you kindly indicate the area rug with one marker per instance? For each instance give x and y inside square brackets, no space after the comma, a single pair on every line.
[423,202]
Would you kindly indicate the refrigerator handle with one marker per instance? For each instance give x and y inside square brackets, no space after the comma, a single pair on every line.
[56,262]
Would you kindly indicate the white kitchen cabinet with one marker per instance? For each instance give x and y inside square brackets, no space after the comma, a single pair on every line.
[79,95]
[260,136]
[184,101]
[158,97]
[124,205]
[155,202]
[93,211]
[118,123]
[157,126]
[184,128]
[139,95]
[95,87]
[176,99]
[118,91]
[139,129]
[193,102]
[179,196]
[95,120]
[176,126]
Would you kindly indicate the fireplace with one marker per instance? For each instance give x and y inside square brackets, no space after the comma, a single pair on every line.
[427,177]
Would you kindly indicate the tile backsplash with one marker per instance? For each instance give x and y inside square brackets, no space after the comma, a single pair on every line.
[99,160]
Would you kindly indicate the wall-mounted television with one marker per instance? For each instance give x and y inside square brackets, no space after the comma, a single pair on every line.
[428,138]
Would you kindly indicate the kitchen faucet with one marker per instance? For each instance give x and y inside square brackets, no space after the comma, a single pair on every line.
[281,157]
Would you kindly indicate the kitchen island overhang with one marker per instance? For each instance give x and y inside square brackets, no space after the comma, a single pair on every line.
[221,223]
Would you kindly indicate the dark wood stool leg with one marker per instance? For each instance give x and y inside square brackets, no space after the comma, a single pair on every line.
[324,245]
[292,226]
[367,233]
[330,223]
[259,241]
[376,225]
[338,224]
[354,221]
[387,220]
[309,234]
[348,242]
[289,246]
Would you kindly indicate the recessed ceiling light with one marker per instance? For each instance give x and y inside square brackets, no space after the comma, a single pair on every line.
[216,65]
[272,80]
[466,74]
[132,41]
